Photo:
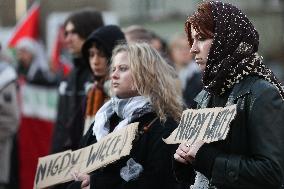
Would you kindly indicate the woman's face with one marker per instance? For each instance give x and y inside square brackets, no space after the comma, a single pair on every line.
[179,52]
[200,48]
[24,57]
[98,62]
[73,41]
[121,77]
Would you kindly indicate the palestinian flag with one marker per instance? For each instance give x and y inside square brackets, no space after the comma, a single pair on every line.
[28,26]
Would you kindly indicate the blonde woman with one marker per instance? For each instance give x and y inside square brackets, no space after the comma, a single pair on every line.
[144,90]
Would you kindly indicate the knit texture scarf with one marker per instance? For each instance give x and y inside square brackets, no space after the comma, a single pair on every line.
[127,109]
[233,54]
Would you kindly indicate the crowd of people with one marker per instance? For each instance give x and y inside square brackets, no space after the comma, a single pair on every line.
[126,75]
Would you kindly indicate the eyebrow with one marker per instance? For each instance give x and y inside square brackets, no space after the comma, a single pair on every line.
[119,64]
[123,64]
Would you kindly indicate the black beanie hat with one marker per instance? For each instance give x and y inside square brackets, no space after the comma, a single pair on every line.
[107,37]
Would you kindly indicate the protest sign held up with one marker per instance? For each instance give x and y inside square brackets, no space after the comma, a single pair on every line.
[208,125]
[57,168]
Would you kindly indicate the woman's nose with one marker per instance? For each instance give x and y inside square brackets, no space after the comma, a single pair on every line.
[95,60]
[194,49]
[67,39]
[114,74]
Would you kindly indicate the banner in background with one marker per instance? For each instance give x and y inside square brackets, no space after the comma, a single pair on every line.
[38,114]
[39,102]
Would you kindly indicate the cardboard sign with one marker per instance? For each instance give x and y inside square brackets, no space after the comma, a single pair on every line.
[57,168]
[208,125]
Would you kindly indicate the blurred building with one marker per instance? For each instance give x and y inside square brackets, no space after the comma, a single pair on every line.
[163,16]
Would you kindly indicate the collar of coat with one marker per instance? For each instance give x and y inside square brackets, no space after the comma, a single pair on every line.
[240,89]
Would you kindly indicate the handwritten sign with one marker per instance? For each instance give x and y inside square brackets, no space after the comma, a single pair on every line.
[208,125]
[57,168]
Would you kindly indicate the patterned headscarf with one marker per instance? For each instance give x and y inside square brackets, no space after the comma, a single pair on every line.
[233,54]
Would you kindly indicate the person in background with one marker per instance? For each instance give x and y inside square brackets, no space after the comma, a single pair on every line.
[68,129]
[142,84]
[9,120]
[161,45]
[137,33]
[190,75]
[158,43]
[224,40]
[97,50]
[32,65]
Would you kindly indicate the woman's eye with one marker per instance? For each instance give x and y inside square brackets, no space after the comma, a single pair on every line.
[91,54]
[123,68]
[101,54]
[201,38]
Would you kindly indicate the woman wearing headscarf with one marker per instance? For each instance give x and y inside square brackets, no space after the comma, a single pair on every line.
[32,63]
[144,91]
[225,43]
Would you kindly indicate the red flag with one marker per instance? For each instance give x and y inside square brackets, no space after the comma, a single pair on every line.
[28,26]
[58,64]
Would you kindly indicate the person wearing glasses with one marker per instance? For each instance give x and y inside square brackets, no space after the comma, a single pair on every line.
[68,131]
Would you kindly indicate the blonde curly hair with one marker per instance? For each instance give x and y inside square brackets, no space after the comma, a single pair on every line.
[153,78]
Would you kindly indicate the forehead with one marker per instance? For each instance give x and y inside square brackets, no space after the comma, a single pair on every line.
[120,58]
[24,50]
[69,26]
[93,47]
[179,41]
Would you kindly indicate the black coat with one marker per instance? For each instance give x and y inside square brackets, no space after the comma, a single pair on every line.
[252,155]
[193,87]
[148,150]
[69,125]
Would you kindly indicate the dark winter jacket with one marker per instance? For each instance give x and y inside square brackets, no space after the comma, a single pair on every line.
[148,150]
[69,125]
[252,155]
[192,88]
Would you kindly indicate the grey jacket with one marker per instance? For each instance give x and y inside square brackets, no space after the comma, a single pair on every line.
[9,117]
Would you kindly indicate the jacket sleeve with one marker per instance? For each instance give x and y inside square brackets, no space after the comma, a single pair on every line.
[9,115]
[263,168]
[183,173]
[158,161]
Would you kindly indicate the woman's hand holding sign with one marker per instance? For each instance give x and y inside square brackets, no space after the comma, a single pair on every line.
[85,178]
[186,153]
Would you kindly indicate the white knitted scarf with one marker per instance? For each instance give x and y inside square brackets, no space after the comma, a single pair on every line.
[127,109]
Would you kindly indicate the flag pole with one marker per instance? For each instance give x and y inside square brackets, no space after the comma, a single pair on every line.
[21,8]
